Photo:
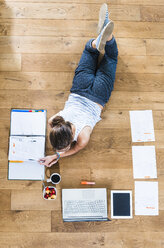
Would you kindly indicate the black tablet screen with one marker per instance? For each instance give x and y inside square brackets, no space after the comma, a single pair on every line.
[121,204]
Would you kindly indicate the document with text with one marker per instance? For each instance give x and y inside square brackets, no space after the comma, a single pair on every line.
[142,128]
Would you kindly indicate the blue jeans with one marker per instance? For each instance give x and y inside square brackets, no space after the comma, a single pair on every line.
[95,83]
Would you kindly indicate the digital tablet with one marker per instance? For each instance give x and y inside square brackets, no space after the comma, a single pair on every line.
[121,204]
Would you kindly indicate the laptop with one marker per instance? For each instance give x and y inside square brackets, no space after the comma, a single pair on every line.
[84,204]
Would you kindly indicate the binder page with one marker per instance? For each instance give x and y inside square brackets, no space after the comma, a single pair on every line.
[25,148]
[26,171]
[142,128]
[28,122]
[146,198]
[144,162]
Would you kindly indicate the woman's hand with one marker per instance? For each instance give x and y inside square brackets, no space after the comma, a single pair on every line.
[49,160]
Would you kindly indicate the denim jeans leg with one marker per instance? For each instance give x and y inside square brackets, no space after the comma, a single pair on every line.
[86,69]
[105,75]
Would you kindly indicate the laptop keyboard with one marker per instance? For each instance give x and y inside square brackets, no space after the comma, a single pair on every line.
[79,207]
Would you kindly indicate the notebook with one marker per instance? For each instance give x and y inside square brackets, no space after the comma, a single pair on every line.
[26,144]
[121,204]
[84,204]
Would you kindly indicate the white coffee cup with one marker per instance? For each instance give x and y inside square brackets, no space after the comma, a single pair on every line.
[55,178]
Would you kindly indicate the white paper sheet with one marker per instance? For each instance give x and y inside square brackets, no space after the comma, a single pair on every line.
[28,123]
[146,198]
[144,162]
[142,128]
[26,171]
[25,148]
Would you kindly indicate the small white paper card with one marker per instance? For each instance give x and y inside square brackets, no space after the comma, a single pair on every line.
[142,128]
[146,198]
[144,162]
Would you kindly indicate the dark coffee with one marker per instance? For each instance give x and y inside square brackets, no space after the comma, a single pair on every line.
[55,178]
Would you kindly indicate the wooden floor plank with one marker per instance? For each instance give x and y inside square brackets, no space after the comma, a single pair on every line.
[37,80]
[130,239]
[109,2]
[66,11]
[139,29]
[142,81]
[63,81]
[154,47]
[41,240]
[10,62]
[25,221]
[55,62]
[73,240]
[5,202]
[78,28]
[112,159]
[72,178]
[137,224]
[142,64]
[56,100]
[33,200]
[109,178]
[152,13]
[39,44]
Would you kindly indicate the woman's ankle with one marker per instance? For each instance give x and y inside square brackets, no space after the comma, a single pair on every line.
[94,43]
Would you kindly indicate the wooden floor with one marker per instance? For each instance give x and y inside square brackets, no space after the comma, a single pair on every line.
[40,44]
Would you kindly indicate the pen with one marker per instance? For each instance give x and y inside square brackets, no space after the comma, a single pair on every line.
[86,183]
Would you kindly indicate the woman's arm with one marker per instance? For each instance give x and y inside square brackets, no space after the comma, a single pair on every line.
[52,159]
[82,141]
[76,148]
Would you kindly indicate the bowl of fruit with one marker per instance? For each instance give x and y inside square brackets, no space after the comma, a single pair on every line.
[49,193]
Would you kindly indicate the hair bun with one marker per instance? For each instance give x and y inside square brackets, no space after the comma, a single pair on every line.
[58,121]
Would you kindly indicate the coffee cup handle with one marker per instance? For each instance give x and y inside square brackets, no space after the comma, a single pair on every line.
[48,180]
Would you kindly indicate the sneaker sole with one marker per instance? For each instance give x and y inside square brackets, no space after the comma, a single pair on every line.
[106,33]
[102,15]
